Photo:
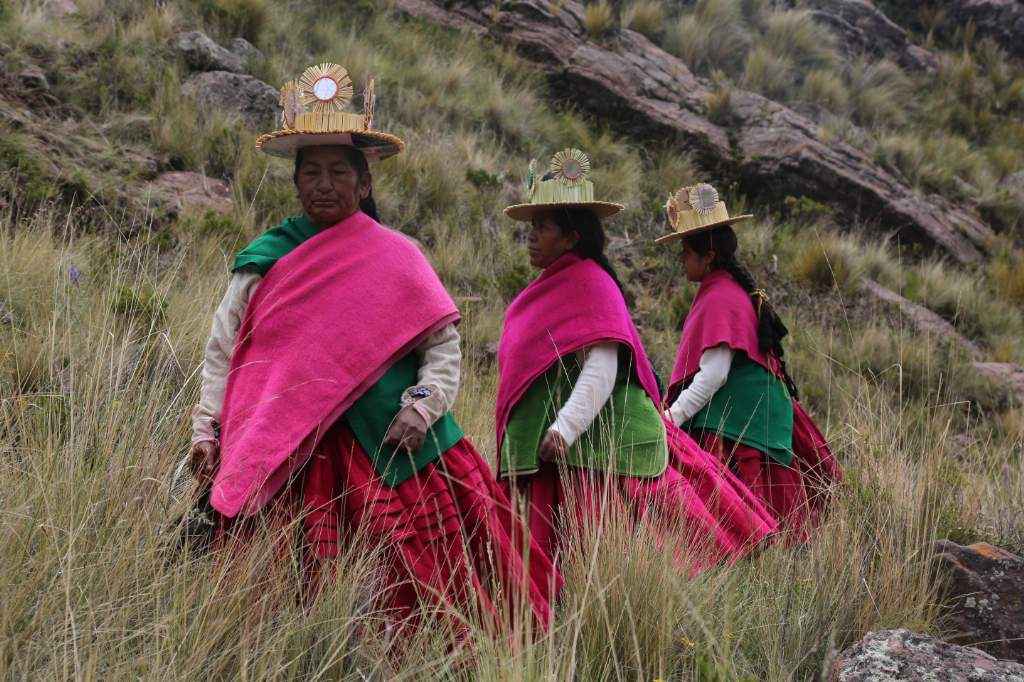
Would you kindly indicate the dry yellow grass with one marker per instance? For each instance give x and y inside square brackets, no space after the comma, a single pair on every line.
[94,415]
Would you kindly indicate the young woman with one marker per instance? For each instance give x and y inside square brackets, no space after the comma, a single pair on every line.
[332,365]
[730,388]
[578,423]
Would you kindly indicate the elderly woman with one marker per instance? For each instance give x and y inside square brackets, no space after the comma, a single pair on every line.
[578,421]
[730,388]
[331,368]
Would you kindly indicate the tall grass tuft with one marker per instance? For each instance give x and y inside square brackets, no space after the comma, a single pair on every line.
[645,16]
[599,18]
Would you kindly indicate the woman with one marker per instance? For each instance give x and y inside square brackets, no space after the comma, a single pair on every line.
[331,367]
[577,407]
[730,388]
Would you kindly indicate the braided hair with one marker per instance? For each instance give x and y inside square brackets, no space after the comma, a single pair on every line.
[770,328]
[592,240]
[357,160]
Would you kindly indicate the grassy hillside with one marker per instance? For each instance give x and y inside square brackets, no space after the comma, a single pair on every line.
[108,305]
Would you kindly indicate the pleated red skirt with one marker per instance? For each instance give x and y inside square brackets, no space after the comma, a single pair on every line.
[446,533]
[797,494]
[696,504]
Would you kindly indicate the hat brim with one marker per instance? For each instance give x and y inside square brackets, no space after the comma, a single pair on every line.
[374,144]
[675,236]
[524,212]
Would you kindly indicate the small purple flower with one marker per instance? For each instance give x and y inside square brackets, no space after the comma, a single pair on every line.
[74,274]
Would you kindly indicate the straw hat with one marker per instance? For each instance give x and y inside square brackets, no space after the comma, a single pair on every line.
[565,186]
[313,114]
[695,209]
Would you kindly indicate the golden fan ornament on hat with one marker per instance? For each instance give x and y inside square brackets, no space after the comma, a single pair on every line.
[315,112]
[571,166]
[694,209]
[325,86]
[565,186]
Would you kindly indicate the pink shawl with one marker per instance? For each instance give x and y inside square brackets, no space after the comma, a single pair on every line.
[571,305]
[326,322]
[722,312]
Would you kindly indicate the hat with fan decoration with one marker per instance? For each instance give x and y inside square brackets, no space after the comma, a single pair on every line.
[695,209]
[564,186]
[313,113]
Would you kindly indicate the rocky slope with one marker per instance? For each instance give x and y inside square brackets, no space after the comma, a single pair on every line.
[772,150]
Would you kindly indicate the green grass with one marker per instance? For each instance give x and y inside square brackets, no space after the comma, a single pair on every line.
[97,376]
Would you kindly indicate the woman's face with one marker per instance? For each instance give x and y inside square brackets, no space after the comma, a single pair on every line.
[546,243]
[694,264]
[329,188]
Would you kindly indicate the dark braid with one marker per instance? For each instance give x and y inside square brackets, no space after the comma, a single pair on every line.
[770,328]
[592,240]
[357,160]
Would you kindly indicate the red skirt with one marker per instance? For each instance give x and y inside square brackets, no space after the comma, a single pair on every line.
[696,503]
[797,494]
[446,533]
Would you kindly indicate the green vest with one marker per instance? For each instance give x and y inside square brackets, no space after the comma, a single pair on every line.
[753,408]
[627,436]
[372,414]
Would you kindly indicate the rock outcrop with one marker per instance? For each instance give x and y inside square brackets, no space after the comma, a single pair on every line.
[1007,374]
[925,321]
[201,53]
[249,97]
[902,655]
[772,150]
[184,191]
[861,28]
[245,50]
[985,590]
[1001,20]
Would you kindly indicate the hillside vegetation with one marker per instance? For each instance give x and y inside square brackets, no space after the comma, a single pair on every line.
[106,296]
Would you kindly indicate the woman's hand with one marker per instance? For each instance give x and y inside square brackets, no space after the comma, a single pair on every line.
[204,458]
[553,447]
[408,431]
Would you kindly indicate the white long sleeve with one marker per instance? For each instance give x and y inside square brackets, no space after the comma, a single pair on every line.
[440,369]
[217,358]
[440,361]
[715,364]
[593,388]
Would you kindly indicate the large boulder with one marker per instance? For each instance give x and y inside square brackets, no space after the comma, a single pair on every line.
[902,655]
[249,97]
[245,51]
[1001,20]
[201,53]
[862,28]
[774,151]
[984,587]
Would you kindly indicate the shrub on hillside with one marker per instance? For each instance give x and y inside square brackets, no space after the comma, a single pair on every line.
[823,263]
[645,16]
[879,92]
[599,18]
[769,73]
[825,88]
[1007,273]
[245,18]
[711,36]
